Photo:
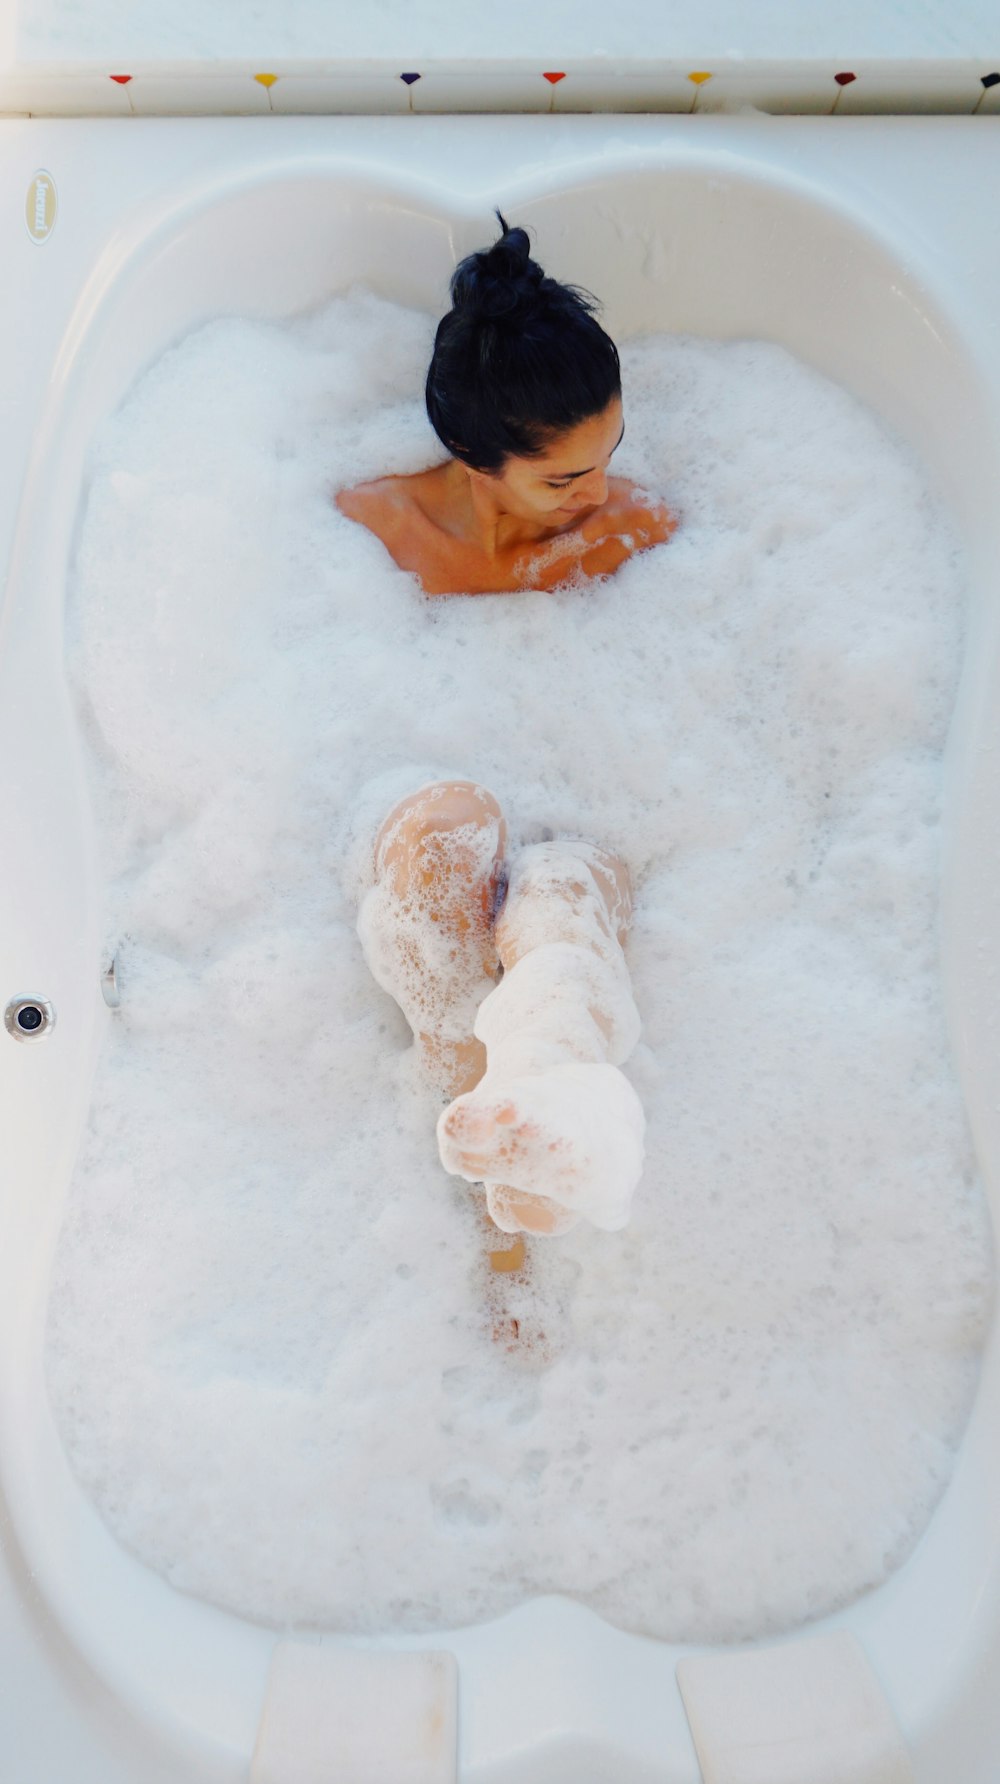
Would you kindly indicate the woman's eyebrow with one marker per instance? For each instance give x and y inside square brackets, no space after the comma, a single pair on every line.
[568,476]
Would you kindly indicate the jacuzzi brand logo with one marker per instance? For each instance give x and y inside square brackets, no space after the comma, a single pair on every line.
[40,209]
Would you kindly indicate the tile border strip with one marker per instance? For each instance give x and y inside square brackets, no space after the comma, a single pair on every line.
[180,89]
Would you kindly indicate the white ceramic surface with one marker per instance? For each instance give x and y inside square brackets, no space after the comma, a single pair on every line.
[723,30]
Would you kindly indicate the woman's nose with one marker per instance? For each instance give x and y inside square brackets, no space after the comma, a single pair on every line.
[592,489]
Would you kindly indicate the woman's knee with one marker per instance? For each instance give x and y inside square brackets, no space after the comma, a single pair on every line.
[437,811]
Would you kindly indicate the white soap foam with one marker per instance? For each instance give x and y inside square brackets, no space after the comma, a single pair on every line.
[267,1352]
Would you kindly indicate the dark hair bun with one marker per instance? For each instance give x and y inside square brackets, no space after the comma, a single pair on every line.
[518,358]
[499,282]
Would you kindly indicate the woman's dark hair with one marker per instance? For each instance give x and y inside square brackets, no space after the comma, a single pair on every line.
[518,358]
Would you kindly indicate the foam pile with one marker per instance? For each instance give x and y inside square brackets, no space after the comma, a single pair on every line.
[267,1348]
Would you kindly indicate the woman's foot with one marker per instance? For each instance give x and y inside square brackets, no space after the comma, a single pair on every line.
[550,1146]
[514,1319]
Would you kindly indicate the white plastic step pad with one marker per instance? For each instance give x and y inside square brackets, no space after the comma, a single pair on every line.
[339,1715]
[808,1712]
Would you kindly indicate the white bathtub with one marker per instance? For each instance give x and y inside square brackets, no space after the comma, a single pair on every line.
[867,246]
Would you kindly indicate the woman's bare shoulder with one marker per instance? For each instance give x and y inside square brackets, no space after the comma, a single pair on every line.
[387,502]
[403,512]
[375,504]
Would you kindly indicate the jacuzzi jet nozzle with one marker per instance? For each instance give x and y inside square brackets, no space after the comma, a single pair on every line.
[29,1018]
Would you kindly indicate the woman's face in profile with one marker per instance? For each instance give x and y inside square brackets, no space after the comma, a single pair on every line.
[567,479]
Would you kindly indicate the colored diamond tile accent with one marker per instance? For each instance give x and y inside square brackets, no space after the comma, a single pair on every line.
[844,80]
[553,78]
[409,78]
[266,80]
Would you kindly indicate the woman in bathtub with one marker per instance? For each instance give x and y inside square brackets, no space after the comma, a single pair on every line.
[524,392]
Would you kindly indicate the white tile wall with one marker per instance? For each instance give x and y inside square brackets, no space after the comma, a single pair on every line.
[441,91]
[912,87]
[377,93]
[797,88]
[639,87]
[688,33]
[55,95]
[200,94]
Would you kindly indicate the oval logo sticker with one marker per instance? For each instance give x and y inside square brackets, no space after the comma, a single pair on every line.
[40,207]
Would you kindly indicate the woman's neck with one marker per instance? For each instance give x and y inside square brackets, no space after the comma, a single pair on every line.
[478,518]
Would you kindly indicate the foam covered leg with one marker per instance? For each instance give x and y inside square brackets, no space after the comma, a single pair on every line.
[426,925]
[553,1128]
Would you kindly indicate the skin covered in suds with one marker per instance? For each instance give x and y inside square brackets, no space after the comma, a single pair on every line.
[544,1036]
[553,1128]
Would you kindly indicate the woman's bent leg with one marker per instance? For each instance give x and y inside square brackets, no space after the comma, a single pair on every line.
[554,1129]
[426,926]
